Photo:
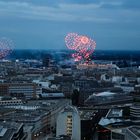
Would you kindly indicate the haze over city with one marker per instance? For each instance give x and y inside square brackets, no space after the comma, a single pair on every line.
[43,24]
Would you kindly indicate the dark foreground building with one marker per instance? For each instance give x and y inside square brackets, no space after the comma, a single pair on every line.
[11,131]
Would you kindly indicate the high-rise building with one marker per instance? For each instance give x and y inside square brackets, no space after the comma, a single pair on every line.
[135,113]
[68,123]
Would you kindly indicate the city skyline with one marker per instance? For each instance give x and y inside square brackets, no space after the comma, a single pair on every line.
[44,24]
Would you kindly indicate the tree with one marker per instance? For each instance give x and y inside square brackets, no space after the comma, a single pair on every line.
[75,97]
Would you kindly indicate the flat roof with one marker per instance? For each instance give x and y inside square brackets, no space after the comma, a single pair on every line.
[29,114]
[2,131]
[87,114]
[9,128]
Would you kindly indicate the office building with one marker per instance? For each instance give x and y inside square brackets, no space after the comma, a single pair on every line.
[68,123]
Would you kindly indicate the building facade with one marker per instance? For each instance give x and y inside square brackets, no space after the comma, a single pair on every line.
[21,90]
[68,123]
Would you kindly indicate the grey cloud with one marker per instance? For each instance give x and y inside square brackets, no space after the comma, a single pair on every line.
[65,12]
[44,23]
[121,4]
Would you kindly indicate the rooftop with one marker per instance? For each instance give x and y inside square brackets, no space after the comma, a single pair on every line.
[135,130]
[115,113]
[87,114]
[105,94]
[105,121]
[2,131]
[32,111]
[7,129]
[70,109]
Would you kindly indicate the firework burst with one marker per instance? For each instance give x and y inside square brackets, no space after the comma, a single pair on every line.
[6,46]
[82,45]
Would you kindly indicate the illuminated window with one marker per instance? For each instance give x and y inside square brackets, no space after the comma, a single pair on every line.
[69,125]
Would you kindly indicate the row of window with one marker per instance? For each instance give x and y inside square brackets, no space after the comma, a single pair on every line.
[69,125]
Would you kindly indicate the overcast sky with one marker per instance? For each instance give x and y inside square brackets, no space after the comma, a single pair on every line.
[43,24]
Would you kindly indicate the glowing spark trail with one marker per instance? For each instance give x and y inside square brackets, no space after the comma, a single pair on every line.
[83,46]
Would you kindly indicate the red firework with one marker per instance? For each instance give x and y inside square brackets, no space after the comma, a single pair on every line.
[83,45]
[6,46]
